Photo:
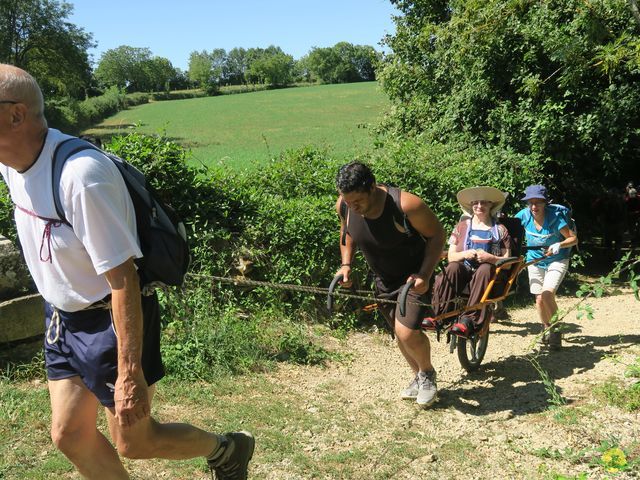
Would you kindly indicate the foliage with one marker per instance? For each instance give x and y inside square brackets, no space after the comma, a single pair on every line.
[342,63]
[206,69]
[7,224]
[275,69]
[134,69]
[435,171]
[270,66]
[37,36]
[549,80]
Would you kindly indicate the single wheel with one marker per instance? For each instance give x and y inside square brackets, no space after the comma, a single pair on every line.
[471,351]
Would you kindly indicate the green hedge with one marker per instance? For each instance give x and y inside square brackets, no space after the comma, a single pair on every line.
[281,218]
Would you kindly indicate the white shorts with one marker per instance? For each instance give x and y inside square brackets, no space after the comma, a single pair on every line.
[549,279]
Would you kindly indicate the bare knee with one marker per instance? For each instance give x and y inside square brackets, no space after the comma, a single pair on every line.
[407,335]
[70,440]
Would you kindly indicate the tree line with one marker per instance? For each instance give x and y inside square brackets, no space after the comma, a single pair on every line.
[36,35]
[137,70]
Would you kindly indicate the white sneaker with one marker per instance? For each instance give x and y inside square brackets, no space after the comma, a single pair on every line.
[427,388]
[411,392]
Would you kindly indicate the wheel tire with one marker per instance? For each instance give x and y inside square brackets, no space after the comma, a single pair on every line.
[471,351]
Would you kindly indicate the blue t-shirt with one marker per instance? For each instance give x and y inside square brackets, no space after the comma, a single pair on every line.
[554,221]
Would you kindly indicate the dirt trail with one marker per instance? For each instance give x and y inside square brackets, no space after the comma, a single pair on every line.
[489,424]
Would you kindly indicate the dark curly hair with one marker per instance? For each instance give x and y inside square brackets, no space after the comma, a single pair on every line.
[354,177]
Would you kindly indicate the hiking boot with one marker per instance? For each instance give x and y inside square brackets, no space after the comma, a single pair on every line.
[555,340]
[427,389]
[411,392]
[232,463]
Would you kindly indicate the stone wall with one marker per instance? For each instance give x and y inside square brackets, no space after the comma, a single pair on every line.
[21,309]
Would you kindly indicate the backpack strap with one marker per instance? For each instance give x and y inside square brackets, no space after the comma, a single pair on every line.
[467,233]
[394,192]
[344,215]
[64,150]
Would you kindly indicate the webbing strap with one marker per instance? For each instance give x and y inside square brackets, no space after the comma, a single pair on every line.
[46,234]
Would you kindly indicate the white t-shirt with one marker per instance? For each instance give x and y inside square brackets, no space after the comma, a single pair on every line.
[68,268]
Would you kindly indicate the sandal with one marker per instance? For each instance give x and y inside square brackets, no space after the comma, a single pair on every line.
[464,327]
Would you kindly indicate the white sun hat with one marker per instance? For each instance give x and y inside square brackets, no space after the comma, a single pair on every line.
[468,195]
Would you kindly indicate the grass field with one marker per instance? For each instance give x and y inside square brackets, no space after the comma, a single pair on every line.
[246,130]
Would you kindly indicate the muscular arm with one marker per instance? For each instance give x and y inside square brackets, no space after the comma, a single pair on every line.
[346,250]
[427,225]
[131,395]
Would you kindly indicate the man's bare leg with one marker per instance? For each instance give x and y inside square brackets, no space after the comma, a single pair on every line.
[151,439]
[415,345]
[74,431]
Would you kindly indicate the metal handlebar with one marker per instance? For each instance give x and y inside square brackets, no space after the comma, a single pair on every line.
[402,298]
[338,278]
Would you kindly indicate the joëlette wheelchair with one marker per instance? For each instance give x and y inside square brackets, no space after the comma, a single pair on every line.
[471,350]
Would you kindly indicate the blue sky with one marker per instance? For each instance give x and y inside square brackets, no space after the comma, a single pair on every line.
[175,29]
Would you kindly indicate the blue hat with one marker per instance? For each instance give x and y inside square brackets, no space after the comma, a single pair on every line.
[535,191]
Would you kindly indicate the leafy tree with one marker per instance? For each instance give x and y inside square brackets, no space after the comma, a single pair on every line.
[323,64]
[235,66]
[365,60]
[274,69]
[35,35]
[180,81]
[342,63]
[207,69]
[556,80]
[270,66]
[125,67]
[200,66]
[218,62]
[159,73]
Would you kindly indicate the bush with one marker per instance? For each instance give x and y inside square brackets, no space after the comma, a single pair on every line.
[436,172]
[282,219]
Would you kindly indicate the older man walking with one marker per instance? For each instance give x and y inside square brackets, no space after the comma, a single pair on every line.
[103,339]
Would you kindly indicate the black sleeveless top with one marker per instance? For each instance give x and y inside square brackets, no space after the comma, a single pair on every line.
[392,251]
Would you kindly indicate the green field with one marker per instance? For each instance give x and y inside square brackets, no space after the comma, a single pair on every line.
[245,130]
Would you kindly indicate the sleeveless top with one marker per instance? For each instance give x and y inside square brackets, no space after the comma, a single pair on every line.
[392,251]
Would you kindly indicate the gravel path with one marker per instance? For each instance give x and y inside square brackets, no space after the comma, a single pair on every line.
[493,423]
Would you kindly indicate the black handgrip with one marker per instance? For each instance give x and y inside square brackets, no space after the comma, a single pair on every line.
[507,260]
[538,247]
[338,278]
[402,298]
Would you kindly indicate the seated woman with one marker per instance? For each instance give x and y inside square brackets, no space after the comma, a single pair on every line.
[476,244]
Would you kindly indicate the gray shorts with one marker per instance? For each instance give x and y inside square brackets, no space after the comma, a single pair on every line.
[414,313]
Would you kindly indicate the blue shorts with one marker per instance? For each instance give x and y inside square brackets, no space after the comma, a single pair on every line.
[87,347]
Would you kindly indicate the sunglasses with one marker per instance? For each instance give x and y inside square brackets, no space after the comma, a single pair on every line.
[480,202]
